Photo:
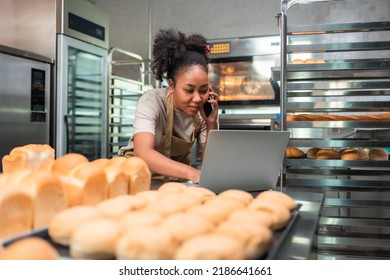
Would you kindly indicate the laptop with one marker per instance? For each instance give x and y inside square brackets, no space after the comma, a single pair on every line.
[249,160]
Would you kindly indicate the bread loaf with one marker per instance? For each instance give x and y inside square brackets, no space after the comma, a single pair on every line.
[354,154]
[16,211]
[292,152]
[30,248]
[312,152]
[48,194]
[323,154]
[67,163]
[139,174]
[378,154]
[30,156]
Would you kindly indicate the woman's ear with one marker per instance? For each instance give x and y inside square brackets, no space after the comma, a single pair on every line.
[171,86]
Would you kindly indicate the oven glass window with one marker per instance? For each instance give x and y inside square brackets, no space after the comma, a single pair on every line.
[244,81]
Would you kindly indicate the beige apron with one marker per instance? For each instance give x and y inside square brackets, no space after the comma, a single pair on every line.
[171,146]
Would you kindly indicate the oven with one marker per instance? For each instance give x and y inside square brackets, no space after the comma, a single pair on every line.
[240,72]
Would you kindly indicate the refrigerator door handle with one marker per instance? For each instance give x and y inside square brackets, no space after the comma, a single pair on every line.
[66,133]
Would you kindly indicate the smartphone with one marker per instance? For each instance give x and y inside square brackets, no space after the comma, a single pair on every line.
[208,108]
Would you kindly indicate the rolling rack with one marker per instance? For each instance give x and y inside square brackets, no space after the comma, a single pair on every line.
[353,78]
[126,85]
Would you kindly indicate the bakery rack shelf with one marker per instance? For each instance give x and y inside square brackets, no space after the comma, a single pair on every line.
[126,85]
[339,69]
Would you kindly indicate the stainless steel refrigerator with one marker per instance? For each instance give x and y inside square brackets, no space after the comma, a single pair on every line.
[25,81]
[74,34]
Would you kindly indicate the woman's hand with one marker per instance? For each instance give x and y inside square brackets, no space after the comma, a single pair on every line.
[212,118]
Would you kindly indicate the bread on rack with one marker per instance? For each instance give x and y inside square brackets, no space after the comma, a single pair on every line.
[292,152]
[30,156]
[323,154]
[353,154]
[326,117]
[312,152]
[378,154]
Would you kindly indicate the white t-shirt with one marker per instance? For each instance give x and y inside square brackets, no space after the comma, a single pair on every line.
[151,116]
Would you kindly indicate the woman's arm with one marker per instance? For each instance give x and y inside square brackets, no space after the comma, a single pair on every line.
[144,148]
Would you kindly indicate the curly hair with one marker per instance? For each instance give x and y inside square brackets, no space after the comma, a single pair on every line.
[174,52]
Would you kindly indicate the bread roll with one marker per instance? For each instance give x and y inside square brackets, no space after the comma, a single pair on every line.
[292,152]
[378,154]
[30,156]
[136,219]
[327,154]
[312,152]
[95,239]
[16,211]
[150,196]
[227,202]
[309,61]
[48,194]
[172,187]
[256,238]
[278,197]
[354,154]
[63,224]
[30,248]
[251,215]
[211,247]
[185,225]
[116,207]
[240,195]
[173,202]
[297,61]
[213,212]
[280,214]
[139,174]
[146,243]
[203,193]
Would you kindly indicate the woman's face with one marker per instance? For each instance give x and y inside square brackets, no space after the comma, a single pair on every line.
[191,90]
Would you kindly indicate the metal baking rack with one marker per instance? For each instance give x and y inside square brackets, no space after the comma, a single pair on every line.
[354,79]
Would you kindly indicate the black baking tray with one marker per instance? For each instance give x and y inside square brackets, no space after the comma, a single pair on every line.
[279,238]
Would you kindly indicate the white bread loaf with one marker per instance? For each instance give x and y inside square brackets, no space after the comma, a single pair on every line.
[30,248]
[67,163]
[140,177]
[48,195]
[16,211]
[30,156]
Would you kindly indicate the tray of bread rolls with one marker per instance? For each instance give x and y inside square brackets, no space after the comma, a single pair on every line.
[174,222]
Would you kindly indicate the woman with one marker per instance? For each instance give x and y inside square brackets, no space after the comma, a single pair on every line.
[169,120]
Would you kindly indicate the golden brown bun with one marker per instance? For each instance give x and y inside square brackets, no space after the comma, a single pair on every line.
[211,247]
[320,61]
[280,213]
[327,154]
[16,211]
[213,212]
[30,248]
[146,243]
[240,195]
[256,238]
[65,164]
[139,174]
[312,152]
[62,226]
[95,239]
[309,61]
[354,154]
[118,206]
[294,153]
[278,197]
[297,61]
[48,193]
[378,154]
[185,225]
[30,156]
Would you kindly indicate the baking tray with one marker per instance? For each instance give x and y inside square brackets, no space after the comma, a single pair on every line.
[63,251]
